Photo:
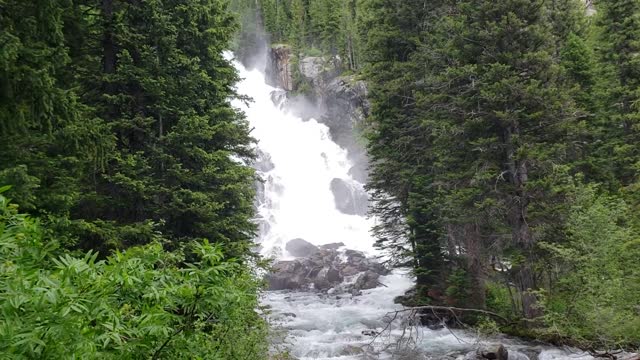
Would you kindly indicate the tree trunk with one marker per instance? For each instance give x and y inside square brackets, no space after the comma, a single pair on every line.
[474,265]
[521,233]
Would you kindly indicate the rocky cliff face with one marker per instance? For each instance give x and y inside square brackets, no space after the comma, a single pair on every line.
[278,70]
[339,101]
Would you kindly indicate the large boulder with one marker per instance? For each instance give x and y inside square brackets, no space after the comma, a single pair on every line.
[301,248]
[367,280]
[332,246]
[286,275]
[498,352]
[349,197]
[326,278]
[358,261]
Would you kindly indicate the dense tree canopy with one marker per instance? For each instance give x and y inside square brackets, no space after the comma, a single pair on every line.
[117,134]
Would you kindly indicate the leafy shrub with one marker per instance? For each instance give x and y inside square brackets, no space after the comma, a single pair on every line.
[596,299]
[141,303]
[498,299]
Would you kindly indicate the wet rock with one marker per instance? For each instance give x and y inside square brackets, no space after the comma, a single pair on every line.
[279,70]
[351,350]
[325,269]
[312,68]
[300,248]
[332,246]
[289,315]
[410,298]
[359,172]
[369,333]
[497,353]
[286,275]
[354,254]
[326,277]
[345,101]
[358,261]
[263,162]
[350,198]
[367,280]
[517,355]
[409,353]
[350,270]
[280,98]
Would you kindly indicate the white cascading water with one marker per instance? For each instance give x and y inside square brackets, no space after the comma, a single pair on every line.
[298,203]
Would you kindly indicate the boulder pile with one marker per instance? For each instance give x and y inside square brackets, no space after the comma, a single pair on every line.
[328,268]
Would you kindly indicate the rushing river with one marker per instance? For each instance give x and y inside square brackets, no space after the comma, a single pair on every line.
[297,202]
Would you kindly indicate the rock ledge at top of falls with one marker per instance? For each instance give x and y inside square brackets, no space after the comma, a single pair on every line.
[330,269]
[331,97]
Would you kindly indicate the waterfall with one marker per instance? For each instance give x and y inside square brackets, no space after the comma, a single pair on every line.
[308,193]
[300,163]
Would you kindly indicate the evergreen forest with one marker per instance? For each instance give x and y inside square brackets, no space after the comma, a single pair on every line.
[125,201]
[504,146]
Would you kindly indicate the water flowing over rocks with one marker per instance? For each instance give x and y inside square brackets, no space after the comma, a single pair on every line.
[263,162]
[325,268]
[338,101]
[350,197]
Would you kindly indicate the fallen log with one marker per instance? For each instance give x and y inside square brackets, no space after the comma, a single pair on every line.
[453,311]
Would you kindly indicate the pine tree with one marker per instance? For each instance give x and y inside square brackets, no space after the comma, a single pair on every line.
[399,173]
[620,30]
[49,139]
[166,98]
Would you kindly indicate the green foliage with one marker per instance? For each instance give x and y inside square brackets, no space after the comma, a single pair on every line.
[483,114]
[117,132]
[619,30]
[487,327]
[140,303]
[116,122]
[459,285]
[320,27]
[48,138]
[595,301]
[498,299]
